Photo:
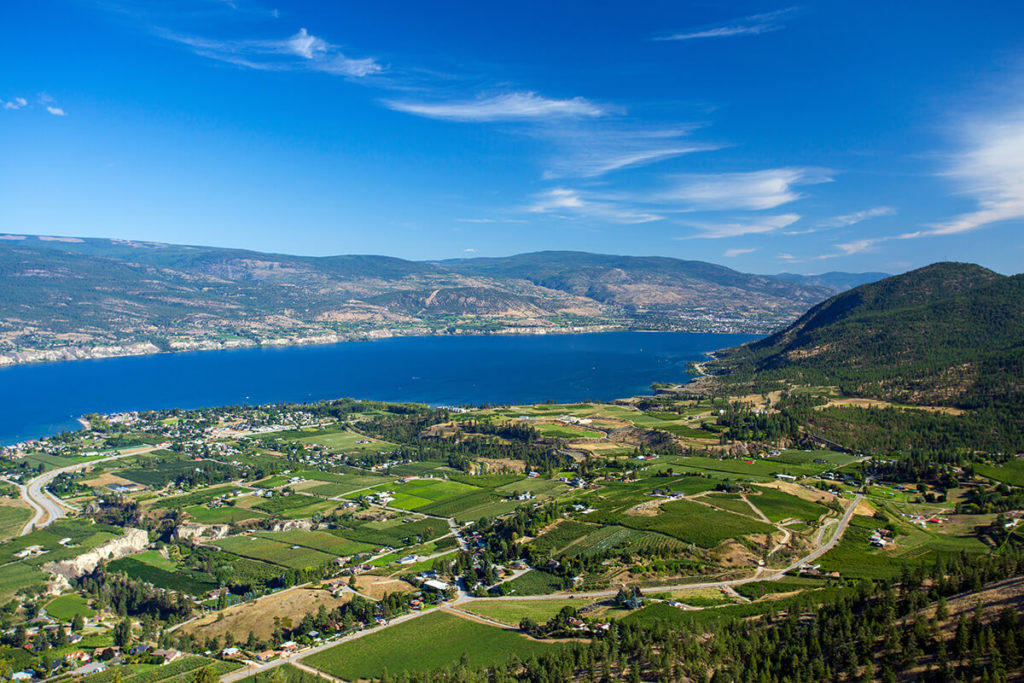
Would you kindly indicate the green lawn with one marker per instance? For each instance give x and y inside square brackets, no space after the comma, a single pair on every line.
[226,514]
[436,639]
[66,607]
[535,582]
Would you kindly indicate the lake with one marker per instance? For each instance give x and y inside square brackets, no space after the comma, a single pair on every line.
[41,399]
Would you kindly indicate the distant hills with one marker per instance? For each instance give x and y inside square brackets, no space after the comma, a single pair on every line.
[946,334]
[63,298]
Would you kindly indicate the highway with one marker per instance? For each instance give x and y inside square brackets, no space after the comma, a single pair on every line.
[48,508]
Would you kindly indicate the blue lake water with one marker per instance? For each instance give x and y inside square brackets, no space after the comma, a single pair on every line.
[36,400]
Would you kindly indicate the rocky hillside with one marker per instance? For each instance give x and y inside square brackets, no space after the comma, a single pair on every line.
[72,297]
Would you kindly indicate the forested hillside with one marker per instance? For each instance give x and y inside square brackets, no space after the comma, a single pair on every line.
[948,334]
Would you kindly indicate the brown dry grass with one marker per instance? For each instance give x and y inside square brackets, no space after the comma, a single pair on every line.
[258,616]
[107,479]
[377,587]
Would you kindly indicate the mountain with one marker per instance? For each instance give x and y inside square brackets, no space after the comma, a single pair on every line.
[834,280]
[75,297]
[949,333]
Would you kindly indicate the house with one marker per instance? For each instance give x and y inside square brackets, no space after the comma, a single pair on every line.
[168,655]
[22,676]
[408,559]
[266,655]
[78,656]
[436,585]
[139,649]
[289,646]
[106,653]
[677,495]
[230,652]
[785,477]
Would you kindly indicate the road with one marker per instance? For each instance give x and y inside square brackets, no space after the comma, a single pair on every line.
[452,606]
[48,508]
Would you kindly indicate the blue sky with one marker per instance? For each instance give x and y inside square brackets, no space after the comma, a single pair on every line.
[767,137]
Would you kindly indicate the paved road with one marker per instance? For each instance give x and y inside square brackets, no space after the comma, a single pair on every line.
[48,508]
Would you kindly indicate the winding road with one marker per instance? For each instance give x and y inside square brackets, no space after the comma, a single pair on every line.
[48,508]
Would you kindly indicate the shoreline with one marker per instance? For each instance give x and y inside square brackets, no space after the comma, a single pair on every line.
[71,354]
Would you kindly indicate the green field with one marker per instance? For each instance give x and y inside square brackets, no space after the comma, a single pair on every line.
[286,673]
[274,552]
[227,514]
[196,498]
[16,576]
[294,506]
[152,568]
[318,540]
[535,582]
[345,441]
[512,611]
[436,639]
[694,523]
[83,533]
[1011,472]
[566,432]
[65,607]
[777,506]
[13,520]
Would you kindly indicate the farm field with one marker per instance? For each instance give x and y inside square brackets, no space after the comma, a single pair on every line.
[286,673]
[694,523]
[317,540]
[512,611]
[258,616]
[84,536]
[777,505]
[227,514]
[294,506]
[345,441]
[13,519]
[274,552]
[196,498]
[424,643]
[16,576]
[1011,472]
[566,432]
[152,568]
[65,607]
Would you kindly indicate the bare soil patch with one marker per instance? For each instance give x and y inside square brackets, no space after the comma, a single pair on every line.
[258,616]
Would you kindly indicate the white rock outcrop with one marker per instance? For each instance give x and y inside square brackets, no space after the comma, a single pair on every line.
[133,541]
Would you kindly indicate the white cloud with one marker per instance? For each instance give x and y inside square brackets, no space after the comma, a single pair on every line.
[756,190]
[56,111]
[758,225]
[469,250]
[730,253]
[859,245]
[753,25]
[846,220]
[569,203]
[16,103]
[514,106]
[595,149]
[301,51]
[991,171]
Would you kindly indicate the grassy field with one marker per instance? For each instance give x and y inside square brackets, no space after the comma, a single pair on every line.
[777,506]
[286,673]
[318,540]
[12,520]
[433,640]
[566,432]
[695,523]
[295,506]
[1011,472]
[152,568]
[196,498]
[227,514]
[65,607]
[16,576]
[535,582]
[345,441]
[267,550]
[512,611]
[84,536]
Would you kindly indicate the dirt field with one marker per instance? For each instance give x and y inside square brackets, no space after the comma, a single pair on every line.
[377,587]
[258,616]
[875,403]
[107,479]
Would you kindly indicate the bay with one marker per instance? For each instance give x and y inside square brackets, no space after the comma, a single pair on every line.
[37,400]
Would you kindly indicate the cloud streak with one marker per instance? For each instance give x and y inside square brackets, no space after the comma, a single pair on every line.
[568,203]
[754,226]
[512,106]
[753,25]
[301,51]
[14,104]
[755,191]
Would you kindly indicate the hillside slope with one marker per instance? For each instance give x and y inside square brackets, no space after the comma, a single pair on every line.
[65,298]
[949,333]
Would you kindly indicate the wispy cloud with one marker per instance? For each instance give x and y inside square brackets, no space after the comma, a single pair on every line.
[858,246]
[756,190]
[601,147]
[301,51]
[754,226]
[56,111]
[512,106]
[752,25]
[14,104]
[846,220]
[569,203]
[732,253]
[990,170]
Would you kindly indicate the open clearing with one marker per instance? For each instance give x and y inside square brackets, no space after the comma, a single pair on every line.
[258,616]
